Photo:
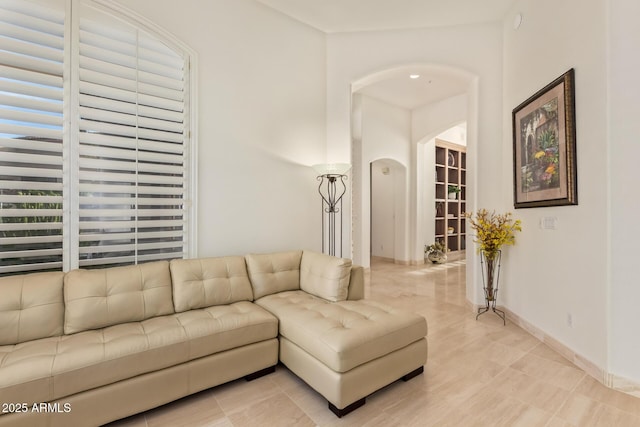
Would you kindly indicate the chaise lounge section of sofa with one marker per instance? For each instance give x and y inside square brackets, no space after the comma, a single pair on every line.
[343,346]
[92,346]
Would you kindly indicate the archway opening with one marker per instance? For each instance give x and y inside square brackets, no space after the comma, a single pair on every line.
[387,127]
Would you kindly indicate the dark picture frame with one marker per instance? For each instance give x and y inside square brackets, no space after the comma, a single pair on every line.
[544,146]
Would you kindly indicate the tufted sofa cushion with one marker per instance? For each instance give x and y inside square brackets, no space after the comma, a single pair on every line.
[105,297]
[52,368]
[31,307]
[346,334]
[199,283]
[325,276]
[274,272]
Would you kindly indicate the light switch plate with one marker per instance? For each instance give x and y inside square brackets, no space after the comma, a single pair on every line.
[549,222]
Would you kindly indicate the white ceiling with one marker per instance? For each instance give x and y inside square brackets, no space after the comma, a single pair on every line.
[433,85]
[332,16]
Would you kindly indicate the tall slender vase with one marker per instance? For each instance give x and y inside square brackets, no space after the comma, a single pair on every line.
[490,266]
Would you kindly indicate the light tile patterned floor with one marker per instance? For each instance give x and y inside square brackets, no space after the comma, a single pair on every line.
[479,373]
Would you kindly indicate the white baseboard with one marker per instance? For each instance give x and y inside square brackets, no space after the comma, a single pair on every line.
[601,375]
[391,260]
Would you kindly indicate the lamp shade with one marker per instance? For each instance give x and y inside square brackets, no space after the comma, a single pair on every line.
[331,168]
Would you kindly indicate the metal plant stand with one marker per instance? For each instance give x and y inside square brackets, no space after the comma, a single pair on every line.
[490,267]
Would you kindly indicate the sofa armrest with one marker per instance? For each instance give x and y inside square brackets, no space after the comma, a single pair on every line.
[356,283]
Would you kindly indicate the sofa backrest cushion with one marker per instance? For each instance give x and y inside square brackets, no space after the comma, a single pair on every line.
[204,282]
[325,276]
[31,307]
[274,272]
[109,296]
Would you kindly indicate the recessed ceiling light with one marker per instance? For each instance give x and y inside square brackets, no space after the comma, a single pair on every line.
[414,76]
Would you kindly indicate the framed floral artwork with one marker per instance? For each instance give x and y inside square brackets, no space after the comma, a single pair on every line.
[544,146]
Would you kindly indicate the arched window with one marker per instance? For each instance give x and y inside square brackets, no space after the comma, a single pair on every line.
[96,160]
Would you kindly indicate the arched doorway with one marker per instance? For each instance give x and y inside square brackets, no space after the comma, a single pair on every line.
[406,147]
[388,194]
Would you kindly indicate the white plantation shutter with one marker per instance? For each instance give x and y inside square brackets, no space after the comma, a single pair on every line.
[131,144]
[125,166]
[31,133]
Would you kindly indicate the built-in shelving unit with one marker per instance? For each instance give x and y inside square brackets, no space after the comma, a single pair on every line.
[451,170]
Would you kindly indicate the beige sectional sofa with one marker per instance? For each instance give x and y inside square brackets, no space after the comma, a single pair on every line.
[92,346]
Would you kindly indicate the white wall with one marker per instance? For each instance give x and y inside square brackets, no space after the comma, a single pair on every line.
[386,132]
[624,152]
[552,273]
[476,50]
[430,120]
[455,135]
[261,92]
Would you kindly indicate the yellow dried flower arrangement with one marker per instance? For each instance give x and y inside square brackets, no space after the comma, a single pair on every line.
[493,230]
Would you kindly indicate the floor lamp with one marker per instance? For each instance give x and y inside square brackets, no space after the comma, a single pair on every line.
[331,189]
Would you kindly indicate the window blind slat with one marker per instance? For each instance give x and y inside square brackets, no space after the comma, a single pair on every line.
[33,240]
[106,262]
[118,153]
[126,213]
[157,102]
[31,172]
[130,83]
[30,131]
[141,201]
[97,188]
[124,142]
[26,213]
[168,255]
[88,100]
[122,177]
[30,103]
[38,91]
[30,158]
[129,119]
[119,225]
[30,226]
[30,49]
[152,43]
[25,116]
[116,70]
[130,47]
[110,81]
[103,249]
[31,185]
[22,268]
[30,63]
[132,166]
[160,92]
[106,237]
[35,17]
[115,129]
[124,130]
[128,96]
[31,35]
[30,77]
[127,58]
[31,253]
[158,80]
